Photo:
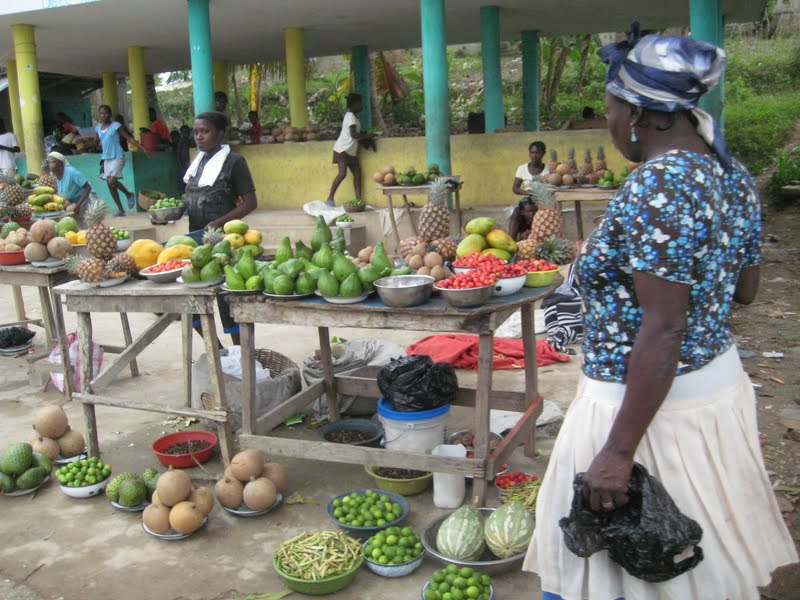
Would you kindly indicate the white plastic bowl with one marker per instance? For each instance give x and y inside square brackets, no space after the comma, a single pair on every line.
[164,276]
[85,491]
[508,285]
[124,244]
[458,270]
[400,570]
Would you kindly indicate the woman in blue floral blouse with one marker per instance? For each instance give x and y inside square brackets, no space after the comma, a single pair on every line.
[663,384]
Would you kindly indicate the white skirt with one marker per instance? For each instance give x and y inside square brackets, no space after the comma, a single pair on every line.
[703,446]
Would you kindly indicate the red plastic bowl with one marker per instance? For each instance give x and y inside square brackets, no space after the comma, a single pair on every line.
[182,461]
[13,258]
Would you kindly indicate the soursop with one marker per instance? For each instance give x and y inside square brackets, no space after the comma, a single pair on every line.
[112,489]
[16,459]
[7,484]
[31,478]
[132,492]
[40,460]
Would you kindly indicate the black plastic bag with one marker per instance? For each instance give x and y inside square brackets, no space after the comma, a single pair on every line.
[416,383]
[643,537]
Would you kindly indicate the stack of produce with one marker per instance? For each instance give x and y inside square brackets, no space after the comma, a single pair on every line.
[470,584]
[367,509]
[251,482]
[14,238]
[546,223]
[523,493]
[354,205]
[21,468]
[484,236]
[386,176]
[231,252]
[506,532]
[54,438]
[607,179]
[12,198]
[318,556]
[120,234]
[45,199]
[167,203]
[393,546]
[410,176]
[130,489]
[80,473]
[44,243]
[434,224]
[287,133]
[177,504]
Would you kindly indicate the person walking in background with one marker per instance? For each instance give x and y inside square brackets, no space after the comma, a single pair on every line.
[345,150]
[9,146]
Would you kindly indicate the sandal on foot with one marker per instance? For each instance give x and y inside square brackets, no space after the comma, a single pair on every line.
[130,201]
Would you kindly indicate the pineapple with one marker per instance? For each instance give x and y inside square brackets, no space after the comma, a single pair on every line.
[555,250]
[21,212]
[213,236]
[408,244]
[571,164]
[526,249]
[600,165]
[12,191]
[552,165]
[47,178]
[122,263]
[547,220]
[88,269]
[445,246]
[586,167]
[434,222]
[100,240]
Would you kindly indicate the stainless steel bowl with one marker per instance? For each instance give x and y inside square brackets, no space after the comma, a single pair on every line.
[467,298]
[488,562]
[402,291]
[164,215]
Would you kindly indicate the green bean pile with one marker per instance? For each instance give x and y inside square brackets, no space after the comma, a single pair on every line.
[315,556]
[525,493]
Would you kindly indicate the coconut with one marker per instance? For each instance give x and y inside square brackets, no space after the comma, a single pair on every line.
[414,261]
[229,492]
[156,518]
[186,517]
[433,259]
[424,271]
[247,464]
[51,422]
[203,498]
[388,169]
[43,231]
[59,247]
[46,446]
[420,249]
[36,252]
[259,494]
[438,273]
[277,474]
[568,179]
[173,487]
[377,177]
[554,179]
[389,179]
[562,169]
[71,443]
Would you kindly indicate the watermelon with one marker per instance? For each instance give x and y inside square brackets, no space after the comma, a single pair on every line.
[508,530]
[460,535]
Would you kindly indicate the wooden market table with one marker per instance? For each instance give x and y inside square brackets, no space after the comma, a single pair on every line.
[44,279]
[169,302]
[578,195]
[435,316]
[417,190]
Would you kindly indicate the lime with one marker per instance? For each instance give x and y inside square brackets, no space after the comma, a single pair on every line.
[460,583]
[457,594]
[486,580]
[451,569]
[438,576]
[444,587]
[392,540]
[465,572]
[472,592]
[383,560]
[376,553]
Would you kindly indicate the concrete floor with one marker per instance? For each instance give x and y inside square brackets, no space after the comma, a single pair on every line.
[56,547]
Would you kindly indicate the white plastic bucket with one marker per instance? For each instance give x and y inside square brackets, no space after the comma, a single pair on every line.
[448,488]
[413,431]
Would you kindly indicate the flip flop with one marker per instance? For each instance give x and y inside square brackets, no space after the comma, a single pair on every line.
[130,201]
[121,213]
[330,203]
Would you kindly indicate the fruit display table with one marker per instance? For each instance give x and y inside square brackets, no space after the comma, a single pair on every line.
[416,190]
[170,302]
[434,316]
[579,195]
[52,320]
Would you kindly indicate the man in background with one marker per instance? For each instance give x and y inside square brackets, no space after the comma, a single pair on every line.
[9,146]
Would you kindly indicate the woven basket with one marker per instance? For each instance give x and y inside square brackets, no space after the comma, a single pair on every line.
[274,361]
[354,208]
[146,202]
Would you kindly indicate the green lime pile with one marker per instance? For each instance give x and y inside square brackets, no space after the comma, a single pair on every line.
[120,234]
[453,583]
[167,203]
[366,510]
[83,472]
[344,219]
[393,546]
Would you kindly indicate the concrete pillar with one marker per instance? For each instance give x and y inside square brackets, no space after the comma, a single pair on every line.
[361,76]
[296,77]
[222,76]
[530,80]
[13,101]
[434,67]
[494,113]
[141,117]
[110,91]
[201,57]
[30,99]
[707,23]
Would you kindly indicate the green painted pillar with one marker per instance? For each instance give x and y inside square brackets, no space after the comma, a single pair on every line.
[492,79]
[361,76]
[200,52]
[30,96]
[706,23]
[434,68]
[13,101]
[530,80]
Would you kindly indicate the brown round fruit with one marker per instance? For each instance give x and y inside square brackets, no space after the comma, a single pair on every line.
[259,494]
[203,498]
[277,474]
[156,518]
[247,464]
[228,491]
[46,446]
[377,177]
[51,422]
[390,179]
[186,517]
[173,487]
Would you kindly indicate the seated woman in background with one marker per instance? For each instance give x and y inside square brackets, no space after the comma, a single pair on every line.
[534,169]
[72,184]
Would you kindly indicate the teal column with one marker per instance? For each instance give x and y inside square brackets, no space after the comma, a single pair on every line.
[434,70]
[200,52]
[530,80]
[361,76]
[706,23]
[492,79]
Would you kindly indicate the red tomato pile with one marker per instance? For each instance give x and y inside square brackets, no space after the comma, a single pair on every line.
[169,265]
[510,270]
[471,279]
[506,480]
[476,259]
[537,264]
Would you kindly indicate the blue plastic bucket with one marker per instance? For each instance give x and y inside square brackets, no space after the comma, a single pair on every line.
[418,431]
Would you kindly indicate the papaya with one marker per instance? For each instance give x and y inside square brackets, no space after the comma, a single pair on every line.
[497,238]
[43,189]
[481,225]
[322,234]
[183,240]
[284,251]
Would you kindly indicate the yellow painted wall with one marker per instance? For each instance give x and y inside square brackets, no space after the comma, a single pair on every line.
[289,175]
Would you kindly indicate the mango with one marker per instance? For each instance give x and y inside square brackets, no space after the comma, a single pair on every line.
[235,240]
[481,225]
[471,244]
[236,226]
[499,239]
[498,253]
[253,237]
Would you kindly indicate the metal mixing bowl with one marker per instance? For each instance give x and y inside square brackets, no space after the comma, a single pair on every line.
[165,215]
[402,291]
[467,298]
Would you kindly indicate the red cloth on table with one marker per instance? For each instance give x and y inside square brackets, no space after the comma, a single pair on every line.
[461,351]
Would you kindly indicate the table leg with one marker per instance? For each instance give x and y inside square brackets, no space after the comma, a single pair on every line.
[47,316]
[578,219]
[327,367]
[186,343]
[19,304]
[126,334]
[225,431]
[85,345]
[531,370]
[61,332]
[247,331]
[482,412]
[408,212]
[394,223]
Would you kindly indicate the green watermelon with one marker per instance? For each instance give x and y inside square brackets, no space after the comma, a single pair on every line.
[460,535]
[508,530]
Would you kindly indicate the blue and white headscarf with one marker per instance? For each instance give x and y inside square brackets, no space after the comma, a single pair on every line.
[668,74]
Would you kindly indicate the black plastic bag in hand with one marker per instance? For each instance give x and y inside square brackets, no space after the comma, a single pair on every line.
[643,537]
[416,383]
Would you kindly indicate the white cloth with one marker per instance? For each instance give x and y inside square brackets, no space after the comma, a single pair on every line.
[112,167]
[525,175]
[59,157]
[212,168]
[7,158]
[703,446]
[346,142]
